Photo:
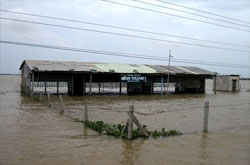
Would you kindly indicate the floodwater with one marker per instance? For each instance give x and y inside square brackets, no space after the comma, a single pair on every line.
[31,132]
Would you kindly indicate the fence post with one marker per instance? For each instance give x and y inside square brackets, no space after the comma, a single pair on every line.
[130,122]
[49,104]
[61,104]
[86,117]
[205,123]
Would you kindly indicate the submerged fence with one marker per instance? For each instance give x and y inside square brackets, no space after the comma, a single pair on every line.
[188,117]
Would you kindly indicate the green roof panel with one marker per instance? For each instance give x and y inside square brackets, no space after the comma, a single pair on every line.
[125,68]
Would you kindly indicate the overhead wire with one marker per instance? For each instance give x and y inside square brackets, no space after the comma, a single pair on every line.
[122,28]
[192,108]
[196,62]
[125,35]
[202,11]
[143,2]
[193,19]
[119,54]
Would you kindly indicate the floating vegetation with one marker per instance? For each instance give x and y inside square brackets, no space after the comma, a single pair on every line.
[118,130]
[165,133]
[78,120]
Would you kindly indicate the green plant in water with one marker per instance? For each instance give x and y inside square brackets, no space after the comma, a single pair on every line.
[116,130]
[77,120]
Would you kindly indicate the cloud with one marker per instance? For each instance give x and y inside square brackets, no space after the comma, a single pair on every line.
[29,32]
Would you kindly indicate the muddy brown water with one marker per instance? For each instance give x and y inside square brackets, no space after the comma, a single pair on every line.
[33,133]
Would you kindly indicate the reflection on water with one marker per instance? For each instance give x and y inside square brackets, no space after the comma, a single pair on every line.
[131,151]
[33,133]
[204,153]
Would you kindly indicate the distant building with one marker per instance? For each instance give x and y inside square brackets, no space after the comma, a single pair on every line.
[227,83]
[81,78]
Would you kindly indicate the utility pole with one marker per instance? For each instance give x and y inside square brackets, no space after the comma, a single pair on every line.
[168,69]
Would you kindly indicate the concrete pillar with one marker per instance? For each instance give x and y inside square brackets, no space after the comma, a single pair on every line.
[90,84]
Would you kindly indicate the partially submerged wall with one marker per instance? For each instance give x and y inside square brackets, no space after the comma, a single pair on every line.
[227,83]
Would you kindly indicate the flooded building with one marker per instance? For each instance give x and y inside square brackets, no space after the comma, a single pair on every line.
[227,83]
[81,78]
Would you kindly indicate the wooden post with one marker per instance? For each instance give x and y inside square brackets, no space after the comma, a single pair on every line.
[205,123]
[86,117]
[61,104]
[49,104]
[138,124]
[125,129]
[130,122]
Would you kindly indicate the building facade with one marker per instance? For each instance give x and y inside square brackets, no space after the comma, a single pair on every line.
[81,78]
[227,83]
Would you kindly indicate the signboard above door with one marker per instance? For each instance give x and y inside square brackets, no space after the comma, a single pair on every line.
[133,78]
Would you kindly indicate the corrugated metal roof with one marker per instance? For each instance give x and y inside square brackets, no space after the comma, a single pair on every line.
[196,70]
[161,69]
[125,68]
[61,66]
[115,68]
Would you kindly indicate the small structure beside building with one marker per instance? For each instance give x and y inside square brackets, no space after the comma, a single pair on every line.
[81,78]
[227,83]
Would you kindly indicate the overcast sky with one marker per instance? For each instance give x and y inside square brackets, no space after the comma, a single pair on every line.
[167,19]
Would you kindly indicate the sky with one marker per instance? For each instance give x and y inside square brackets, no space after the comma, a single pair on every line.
[187,25]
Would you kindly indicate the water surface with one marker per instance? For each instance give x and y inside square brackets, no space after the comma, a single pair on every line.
[31,132]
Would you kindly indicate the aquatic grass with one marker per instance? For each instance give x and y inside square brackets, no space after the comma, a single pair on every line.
[78,120]
[117,130]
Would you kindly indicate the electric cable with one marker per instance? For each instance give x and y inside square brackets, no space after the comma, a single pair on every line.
[193,19]
[119,54]
[125,35]
[202,11]
[192,13]
[122,28]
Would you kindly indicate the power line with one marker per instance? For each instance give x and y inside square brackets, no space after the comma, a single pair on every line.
[203,11]
[192,13]
[123,28]
[209,63]
[119,54]
[125,35]
[193,19]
